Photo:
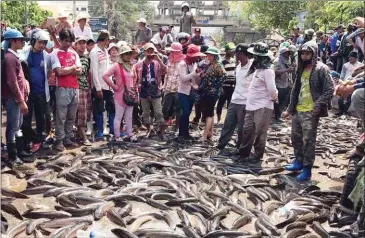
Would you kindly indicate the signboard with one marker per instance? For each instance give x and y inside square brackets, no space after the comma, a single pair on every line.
[98,23]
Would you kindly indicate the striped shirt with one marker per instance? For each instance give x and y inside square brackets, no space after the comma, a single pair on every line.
[230,67]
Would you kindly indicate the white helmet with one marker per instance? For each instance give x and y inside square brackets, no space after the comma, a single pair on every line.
[185,4]
[40,35]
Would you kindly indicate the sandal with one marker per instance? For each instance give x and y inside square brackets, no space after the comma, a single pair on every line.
[35,147]
[86,143]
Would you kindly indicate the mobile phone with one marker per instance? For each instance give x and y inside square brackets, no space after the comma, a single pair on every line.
[51,22]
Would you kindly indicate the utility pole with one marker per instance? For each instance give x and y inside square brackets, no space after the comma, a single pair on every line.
[74,12]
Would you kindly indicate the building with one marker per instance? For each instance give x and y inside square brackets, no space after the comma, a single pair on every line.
[66,7]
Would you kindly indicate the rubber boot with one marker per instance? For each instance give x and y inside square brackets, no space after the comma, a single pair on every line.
[25,156]
[306,174]
[111,123]
[12,155]
[105,120]
[295,166]
[89,126]
[99,125]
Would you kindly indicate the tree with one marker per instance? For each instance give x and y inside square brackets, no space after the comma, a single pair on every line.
[124,16]
[268,15]
[13,13]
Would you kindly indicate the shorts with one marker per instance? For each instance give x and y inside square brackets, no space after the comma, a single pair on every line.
[207,104]
[170,106]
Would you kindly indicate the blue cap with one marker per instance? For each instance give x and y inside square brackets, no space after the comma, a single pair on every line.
[14,34]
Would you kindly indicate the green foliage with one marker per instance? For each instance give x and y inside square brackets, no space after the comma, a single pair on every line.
[125,15]
[281,15]
[267,15]
[13,13]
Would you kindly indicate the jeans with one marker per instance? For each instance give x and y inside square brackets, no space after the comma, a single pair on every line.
[66,108]
[13,121]
[186,104]
[39,104]
[344,106]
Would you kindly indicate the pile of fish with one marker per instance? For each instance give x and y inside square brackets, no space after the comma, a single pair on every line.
[153,189]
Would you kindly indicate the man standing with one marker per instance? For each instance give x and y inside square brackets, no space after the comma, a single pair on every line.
[84,107]
[261,96]
[40,70]
[282,71]
[67,66]
[197,39]
[229,83]
[148,77]
[312,90]
[346,72]
[82,29]
[237,108]
[143,34]
[161,37]
[102,94]
[14,91]
[187,19]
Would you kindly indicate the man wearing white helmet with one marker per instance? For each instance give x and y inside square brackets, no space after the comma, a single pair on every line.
[40,69]
[187,19]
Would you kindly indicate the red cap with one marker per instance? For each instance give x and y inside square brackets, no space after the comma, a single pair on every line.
[194,51]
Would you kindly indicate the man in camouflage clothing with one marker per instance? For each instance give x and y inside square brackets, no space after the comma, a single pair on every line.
[312,90]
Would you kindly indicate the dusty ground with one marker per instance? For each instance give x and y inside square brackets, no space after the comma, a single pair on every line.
[11,182]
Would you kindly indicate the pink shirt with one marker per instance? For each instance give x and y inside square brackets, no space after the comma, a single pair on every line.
[118,87]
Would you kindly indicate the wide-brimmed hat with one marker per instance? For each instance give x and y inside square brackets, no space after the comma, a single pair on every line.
[283,50]
[62,15]
[142,20]
[194,51]
[82,15]
[260,49]
[175,47]
[124,49]
[242,48]
[112,45]
[212,51]
[14,34]
[230,47]
[149,46]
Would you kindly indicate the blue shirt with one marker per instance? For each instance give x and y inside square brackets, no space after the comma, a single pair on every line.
[334,42]
[36,68]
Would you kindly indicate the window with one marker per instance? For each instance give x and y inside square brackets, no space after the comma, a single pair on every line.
[84,9]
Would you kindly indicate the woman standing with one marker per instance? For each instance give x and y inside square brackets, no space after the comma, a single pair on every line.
[209,89]
[122,72]
[188,75]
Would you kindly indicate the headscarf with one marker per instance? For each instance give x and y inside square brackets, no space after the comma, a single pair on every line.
[260,62]
[176,56]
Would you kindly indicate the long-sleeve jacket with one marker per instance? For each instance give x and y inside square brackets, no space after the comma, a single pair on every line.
[99,63]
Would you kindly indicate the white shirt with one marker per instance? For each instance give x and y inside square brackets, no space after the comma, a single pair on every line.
[163,41]
[262,90]
[348,69]
[86,32]
[99,63]
[243,82]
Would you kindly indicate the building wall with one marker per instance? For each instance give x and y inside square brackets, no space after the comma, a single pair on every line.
[64,7]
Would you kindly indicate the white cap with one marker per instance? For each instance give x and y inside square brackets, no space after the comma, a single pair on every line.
[142,20]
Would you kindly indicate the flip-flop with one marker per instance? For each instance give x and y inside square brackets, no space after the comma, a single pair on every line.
[86,143]
[35,147]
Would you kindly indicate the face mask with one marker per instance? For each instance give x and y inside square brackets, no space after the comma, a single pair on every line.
[307,62]
[50,44]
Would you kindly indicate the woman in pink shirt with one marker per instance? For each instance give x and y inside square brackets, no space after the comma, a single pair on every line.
[122,68]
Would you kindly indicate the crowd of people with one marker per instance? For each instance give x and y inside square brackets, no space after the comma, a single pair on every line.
[64,74]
